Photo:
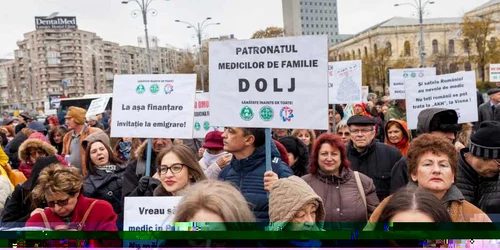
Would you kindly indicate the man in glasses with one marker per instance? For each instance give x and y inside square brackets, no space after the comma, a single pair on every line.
[370,157]
[479,168]
[248,165]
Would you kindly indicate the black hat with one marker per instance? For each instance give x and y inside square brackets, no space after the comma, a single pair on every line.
[493,91]
[360,120]
[446,121]
[485,143]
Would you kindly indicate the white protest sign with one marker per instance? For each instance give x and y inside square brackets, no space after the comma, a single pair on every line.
[397,78]
[494,72]
[153,106]
[202,116]
[344,82]
[149,214]
[97,106]
[270,83]
[365,90]
[454,91]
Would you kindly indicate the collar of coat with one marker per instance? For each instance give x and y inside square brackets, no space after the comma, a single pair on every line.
[345,175]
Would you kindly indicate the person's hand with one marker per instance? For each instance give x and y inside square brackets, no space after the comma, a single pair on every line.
[143,184]
[36,211]
[178,141]
[201,151]
[224,160]
[269,178]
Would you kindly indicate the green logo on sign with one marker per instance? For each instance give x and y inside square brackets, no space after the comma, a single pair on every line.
[140,89]
[413,74]
[154,88]
[266,113]
[206,126]
[197,126]
[246,113]
[405,75]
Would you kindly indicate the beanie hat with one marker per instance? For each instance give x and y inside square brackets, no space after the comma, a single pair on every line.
[37,126]
[78,114]
[39,136]
[485,143]
[213,140]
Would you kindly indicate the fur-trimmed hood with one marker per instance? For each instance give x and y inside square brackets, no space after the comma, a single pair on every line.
[35,143]
[140,153]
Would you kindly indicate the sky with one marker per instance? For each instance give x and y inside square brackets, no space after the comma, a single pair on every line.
[113,21]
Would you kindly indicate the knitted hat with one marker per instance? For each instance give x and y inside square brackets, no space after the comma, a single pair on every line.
[288,196]
[37,126]
[485,143]
[78,115]
[39,136]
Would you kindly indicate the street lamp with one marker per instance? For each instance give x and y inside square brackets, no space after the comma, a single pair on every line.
[199,31]
[420,7]
[144,9]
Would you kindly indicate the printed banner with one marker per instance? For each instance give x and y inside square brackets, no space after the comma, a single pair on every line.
[344,82]
[455,91]
[202,116]
[153,106]
[270,83]
[494,72]
[97,106]
[397,78]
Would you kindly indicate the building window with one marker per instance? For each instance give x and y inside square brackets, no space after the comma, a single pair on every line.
[321,18]
[451,46]
[359,53]
[435,46]
[466,45]
[353,54]
[467,66]
[366,51]
[407,48]
[388,47]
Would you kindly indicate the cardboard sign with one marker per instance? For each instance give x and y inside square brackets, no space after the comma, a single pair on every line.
[270,83]
[494,72]
[344,82]
[202,116]
[97,106]
[397,78]
[454,91]
[153,106]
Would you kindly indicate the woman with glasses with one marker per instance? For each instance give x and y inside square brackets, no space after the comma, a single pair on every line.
[342,130]
[348,196]
[177,169]
[61,188]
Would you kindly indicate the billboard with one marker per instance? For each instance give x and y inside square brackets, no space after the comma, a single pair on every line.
[58,22]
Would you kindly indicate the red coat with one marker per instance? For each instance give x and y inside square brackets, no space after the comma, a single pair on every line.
[101,218]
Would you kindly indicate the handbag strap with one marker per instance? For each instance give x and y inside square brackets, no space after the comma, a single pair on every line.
[45,220]
[86,215]
[361,191]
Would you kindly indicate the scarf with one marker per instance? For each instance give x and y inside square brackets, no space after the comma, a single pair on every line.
[125,149]
[208,159]
[401,143]
[107,168]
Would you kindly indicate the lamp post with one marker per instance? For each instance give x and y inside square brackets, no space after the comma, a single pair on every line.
[199,31]
[144,9]
[420,7]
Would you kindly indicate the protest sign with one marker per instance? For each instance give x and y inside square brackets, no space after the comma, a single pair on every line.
[344,82]
[454,91]
[97,106]
[270,83]
[494,72]
[397,78]
[153,106]
[202,116]
[146,214]
[54,101]
[365,90]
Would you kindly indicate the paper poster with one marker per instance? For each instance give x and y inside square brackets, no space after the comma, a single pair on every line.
[270,83]
[97,106]
[494,72]
[365,91]
[153,106]
[397,78]
[455,91]
[344,82]
[202,116]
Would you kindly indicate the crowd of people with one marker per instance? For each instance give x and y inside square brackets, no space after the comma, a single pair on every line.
[367,170]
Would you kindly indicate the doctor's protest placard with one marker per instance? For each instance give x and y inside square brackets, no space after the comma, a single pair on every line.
[494,72]
[202,116]
[270,83]
[397,78]
[97,106]
[454,91]
[153,106]
[344,82]
[146,214]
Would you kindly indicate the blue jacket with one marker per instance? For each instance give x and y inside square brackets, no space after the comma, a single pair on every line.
[248,175]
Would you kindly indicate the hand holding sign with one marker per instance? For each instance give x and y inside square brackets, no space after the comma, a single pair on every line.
[269,178]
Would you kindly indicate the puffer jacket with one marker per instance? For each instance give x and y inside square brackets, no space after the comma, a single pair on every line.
[248,175]
[26,165]
[342,198]
[480,191]
[106,186]
[375,162]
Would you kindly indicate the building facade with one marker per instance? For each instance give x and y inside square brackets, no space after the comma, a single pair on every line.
[7,76]
[312,17]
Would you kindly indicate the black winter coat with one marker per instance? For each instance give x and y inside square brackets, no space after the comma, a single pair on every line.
[106,186]
[18,209]
[136,169]
[12,149]
[399,174]
[375,162]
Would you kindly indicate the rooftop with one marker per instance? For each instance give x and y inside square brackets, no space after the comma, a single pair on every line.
[486,5]
[405,21]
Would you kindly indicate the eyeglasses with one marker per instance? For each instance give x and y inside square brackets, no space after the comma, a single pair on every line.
[363,131]
[174,168]
[344,133]
[60,203]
